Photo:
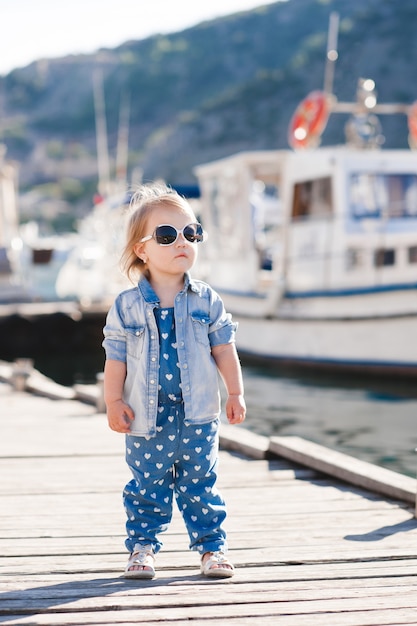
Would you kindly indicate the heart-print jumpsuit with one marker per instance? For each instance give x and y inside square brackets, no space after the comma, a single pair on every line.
[181,460]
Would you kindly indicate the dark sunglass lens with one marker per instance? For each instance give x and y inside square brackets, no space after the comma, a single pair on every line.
[165,235]
[193,233]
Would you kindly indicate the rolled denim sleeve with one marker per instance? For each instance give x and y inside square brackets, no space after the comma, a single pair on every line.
[114,332]
[222,329]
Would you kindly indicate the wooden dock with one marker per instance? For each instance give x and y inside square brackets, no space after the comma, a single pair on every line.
[310,550]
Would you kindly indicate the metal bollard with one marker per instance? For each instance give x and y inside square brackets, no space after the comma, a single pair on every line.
[100,404]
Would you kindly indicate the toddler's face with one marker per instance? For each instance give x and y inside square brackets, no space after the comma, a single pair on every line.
[174,259]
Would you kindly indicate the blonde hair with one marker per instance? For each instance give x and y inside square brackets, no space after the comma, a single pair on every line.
[144,200]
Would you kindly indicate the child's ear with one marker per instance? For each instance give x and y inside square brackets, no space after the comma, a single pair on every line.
[138,250]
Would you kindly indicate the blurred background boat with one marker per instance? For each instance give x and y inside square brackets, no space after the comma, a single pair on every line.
[12,285]
[91,273]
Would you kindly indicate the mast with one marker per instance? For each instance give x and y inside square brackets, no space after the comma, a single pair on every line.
[103,164]
[332,54]
[122,153]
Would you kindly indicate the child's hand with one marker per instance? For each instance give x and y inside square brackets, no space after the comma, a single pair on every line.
[120,416]
[235,409]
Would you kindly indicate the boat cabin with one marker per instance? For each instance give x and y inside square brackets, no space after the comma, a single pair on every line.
[318,222]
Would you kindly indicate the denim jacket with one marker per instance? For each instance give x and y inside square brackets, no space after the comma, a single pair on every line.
[131,336]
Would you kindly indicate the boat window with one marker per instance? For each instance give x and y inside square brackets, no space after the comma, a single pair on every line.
[384,256]
[312,199]
[266,222]
[391,196]
[412,254]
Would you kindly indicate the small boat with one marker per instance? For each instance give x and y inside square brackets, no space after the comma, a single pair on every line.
[314,249]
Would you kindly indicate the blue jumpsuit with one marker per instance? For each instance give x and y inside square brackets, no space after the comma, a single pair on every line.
[182,460]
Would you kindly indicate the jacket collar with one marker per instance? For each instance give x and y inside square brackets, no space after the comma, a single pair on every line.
[150,296]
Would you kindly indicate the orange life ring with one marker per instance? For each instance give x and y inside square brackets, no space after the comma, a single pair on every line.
[412,124]
[309,120]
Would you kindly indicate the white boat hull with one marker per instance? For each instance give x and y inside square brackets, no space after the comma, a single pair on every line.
[379,345]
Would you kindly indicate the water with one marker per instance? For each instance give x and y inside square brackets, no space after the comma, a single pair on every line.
[368,419]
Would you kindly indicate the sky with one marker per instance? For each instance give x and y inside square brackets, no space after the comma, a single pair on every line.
[37,29]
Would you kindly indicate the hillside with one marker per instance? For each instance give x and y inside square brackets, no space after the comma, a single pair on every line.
[225,85]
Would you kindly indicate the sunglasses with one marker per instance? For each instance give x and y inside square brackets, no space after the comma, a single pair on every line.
[166,235]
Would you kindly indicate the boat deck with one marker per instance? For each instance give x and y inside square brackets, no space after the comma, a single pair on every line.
[309,549]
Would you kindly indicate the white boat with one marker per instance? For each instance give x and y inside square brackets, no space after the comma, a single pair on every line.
[91,272]
[12,283]
[327,278]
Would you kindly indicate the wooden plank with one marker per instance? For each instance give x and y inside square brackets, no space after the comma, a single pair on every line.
[345,467]
[195,598]
[243,441]
[128,618]
[335,574]
[395,608]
